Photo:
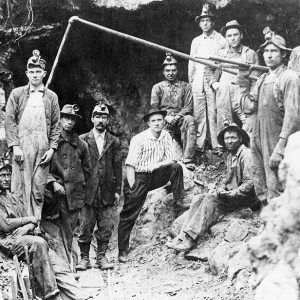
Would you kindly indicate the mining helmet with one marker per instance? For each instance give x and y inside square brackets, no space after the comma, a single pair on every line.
[100,109]
[207,12]
[272,38]
[169,60]
[5,161]
[36,61]
[70,110]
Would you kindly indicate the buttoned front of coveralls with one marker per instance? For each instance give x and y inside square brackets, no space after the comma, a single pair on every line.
[176,98]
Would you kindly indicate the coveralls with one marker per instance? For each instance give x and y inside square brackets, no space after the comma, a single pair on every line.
[31,122]
[276,102]
[177,99]
[201,78]
[51,273]
[228,94]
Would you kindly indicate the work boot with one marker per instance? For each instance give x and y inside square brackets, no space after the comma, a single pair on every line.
[84,263]
[102,261]
[185,245]
[123,256]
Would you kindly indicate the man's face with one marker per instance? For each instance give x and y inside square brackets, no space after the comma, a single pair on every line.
[273,56]
[170,72]
[100,122]
[35,76]
[232,140]
[234,37]
[156,123]
[5,176]
[206,24]
[67,123]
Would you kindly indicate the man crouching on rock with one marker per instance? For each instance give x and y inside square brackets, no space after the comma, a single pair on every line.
[236,192]
[52,275]
[150,164]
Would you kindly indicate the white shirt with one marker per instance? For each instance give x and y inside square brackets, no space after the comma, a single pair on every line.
[99,138]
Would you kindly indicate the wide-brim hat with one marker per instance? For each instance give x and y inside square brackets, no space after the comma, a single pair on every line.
[275,39]
[233,127]
[229,25]
[70,110]
[153,111]
[206,13]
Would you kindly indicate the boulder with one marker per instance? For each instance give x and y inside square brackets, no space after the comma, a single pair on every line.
[237,230]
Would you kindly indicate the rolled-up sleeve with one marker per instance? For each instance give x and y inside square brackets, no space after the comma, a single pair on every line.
[155,96]
[134,152]
[54,127]
[169,148]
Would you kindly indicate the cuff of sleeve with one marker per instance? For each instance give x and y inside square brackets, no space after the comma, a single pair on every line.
[283,135]
[279,150]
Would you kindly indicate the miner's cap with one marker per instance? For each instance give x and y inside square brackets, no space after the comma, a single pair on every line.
[36,61]
[272,38]
[229,25]
[70,110]
[169,60]
[100,109]
[207,12]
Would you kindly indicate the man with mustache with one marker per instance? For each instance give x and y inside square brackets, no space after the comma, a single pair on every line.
[175,97]
[275,103]
[103,189]
[235,192]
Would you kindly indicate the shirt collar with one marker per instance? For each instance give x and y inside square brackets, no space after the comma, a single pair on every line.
[242,147]
[72,138]
[239,50]
[99,134]
[212,36]
[32,90]
[152,137]
[168,83]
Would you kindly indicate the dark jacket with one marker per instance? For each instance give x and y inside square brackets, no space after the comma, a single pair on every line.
[106,174]
[70,167]
[16,104]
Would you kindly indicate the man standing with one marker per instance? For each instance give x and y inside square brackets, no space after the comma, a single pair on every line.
[237,190]
[103,189]
[275,101]
[227,90]
[32,132]
[149,165]
[51,274]
[69,172]
[201,78]
[175,97]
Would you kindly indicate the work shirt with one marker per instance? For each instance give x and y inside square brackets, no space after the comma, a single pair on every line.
[99,138]
[242,54]
[238,177]
[145,150]
[204,46]
[173,97]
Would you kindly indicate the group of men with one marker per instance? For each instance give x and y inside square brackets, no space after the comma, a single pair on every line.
[62,177]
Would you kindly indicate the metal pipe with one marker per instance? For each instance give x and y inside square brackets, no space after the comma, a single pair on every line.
[156,46]
[63,41]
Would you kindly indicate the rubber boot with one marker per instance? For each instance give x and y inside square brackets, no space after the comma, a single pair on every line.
[102,261]
[84,263]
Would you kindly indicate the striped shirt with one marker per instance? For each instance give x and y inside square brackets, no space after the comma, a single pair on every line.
[145,150]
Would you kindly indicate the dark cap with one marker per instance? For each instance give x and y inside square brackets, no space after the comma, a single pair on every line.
[70,110]
[236,128]
[36,61]
[169,60]
[207,12]
[154,111]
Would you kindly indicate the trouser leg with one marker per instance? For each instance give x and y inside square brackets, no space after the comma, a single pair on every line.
[134,199]
[105,228]
[42,267]
[188,138]
[68,219]
[223,105]
[68,286]
[173,173]
[211,114]
[204,217]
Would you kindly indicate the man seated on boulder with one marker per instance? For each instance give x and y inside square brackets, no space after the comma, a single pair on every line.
[236,192]
[52,275]
[175,97]
[150,164]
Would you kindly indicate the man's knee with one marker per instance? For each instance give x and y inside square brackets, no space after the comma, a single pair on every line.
[38,244]
[189,119]
[176,167]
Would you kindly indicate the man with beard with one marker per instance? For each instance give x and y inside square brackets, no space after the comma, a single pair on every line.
[175,97]
[235,192]
[103,189]
[201,78]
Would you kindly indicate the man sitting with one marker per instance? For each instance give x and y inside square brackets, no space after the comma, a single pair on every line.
[237,190]
[52,275]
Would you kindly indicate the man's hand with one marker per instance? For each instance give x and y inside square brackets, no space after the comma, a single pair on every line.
[275,160]
[117,199]
[22,230]
[215,85]
[58,189]
[47,157]
[33,220]
[18,154]
[169,119]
